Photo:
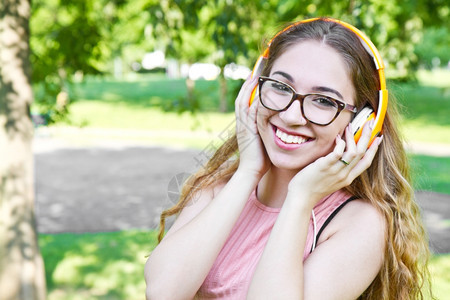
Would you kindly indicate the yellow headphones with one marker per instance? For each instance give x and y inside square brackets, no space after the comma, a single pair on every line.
[367,113]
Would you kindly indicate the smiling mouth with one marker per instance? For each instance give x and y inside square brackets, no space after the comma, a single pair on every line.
[290,139]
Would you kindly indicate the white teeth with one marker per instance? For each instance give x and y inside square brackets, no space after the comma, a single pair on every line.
[289,139]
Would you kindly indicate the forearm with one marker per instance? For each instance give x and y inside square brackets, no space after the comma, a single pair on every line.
[181,262]
[279,274]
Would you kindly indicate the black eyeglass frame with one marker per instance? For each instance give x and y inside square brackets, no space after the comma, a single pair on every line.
[295,96]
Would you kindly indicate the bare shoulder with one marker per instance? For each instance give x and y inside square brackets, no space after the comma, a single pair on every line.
[357,216]
[363,211]
[358,230]
[365,214]
[349,253]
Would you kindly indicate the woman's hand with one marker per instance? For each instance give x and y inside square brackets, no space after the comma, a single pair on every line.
[253,156]
[337,169]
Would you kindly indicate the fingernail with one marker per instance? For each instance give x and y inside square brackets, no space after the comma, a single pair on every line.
[371,123]
[380,139]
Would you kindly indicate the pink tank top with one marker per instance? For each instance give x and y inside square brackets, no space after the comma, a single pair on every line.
[230,276]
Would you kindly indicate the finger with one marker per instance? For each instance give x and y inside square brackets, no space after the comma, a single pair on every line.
[350,138]
[367,160]
[247,118]
[340,147]
[337,152]
[365,137]
[245,115]
[238,104]
[350,150]
[246,91]
[242,108]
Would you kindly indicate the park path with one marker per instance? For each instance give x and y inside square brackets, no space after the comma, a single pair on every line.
[111,185]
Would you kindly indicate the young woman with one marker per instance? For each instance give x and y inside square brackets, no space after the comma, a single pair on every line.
[302,211]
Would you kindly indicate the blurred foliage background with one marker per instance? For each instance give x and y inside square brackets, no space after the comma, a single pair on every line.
[87,71]
[74,38]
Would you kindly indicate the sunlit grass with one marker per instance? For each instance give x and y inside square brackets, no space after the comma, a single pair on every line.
[440,275]
[426,133]
[431,173]
[424,112]
[96,266]
[121,122]
[152,104]
[437,77]
[111,265]
[100,114]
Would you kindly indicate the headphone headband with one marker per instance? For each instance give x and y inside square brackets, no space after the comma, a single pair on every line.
[370,49]
[365,41]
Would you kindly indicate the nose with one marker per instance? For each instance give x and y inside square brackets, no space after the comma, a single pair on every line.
[293,115]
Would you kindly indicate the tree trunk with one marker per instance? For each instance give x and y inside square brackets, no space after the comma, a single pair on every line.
[223,93]
[21,265]
[190,86]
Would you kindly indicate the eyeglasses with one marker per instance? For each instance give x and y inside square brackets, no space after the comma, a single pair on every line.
[316,108]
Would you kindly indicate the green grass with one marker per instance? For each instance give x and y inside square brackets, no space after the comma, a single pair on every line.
[440,275]
[143,92]
[438,77]
[111,265]
[431,173]
[422,121]
[137,105]
[425,106]
[425,112]
[152,91]
[96,266]
[99,114]
[150,125]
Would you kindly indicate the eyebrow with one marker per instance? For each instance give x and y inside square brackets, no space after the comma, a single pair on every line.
[329,90]
[316,88]
[285,75]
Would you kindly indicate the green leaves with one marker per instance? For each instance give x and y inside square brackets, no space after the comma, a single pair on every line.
[86,36]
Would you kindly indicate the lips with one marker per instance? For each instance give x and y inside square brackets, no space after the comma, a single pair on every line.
[288,140]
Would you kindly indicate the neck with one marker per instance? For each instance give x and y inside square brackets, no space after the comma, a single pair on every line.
[273,186]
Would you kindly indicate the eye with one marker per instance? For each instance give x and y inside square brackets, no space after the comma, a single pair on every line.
[323,101]
[280,88]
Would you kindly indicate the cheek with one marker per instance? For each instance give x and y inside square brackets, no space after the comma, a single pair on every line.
[327,136]
[262,118]
[263,124]
[326,141]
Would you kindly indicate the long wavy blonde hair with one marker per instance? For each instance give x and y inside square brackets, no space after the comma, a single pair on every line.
[386,183]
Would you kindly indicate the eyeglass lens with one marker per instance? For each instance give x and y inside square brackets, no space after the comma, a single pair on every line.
[316,108]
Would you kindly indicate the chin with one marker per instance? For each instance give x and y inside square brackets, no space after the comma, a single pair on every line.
[287,162]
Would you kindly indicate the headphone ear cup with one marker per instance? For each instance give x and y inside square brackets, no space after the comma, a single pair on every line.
[364,116]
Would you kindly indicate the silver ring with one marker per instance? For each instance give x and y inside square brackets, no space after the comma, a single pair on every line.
[344,162]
